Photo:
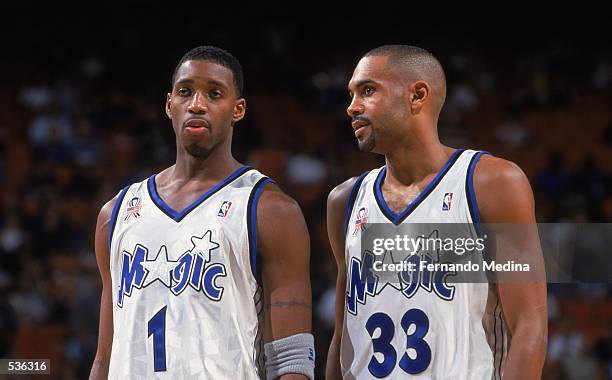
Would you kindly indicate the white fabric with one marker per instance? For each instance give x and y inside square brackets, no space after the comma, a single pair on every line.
[458,331]
[212,326]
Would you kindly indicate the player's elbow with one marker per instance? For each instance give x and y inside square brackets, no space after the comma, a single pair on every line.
[332,368]
[99,368]
[542,339]
[533,332]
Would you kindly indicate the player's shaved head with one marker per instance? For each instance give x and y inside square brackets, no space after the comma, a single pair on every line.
[413,63]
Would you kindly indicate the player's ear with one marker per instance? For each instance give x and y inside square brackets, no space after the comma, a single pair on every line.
[239,110]
[168,101]
[418,95]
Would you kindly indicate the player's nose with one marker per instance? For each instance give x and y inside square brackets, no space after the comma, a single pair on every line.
[355,108]
[198,103]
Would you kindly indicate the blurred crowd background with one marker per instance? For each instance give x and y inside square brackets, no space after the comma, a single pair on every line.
[81,116]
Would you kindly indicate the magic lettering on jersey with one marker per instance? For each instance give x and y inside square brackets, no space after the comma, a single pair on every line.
[363,280]
[193,268]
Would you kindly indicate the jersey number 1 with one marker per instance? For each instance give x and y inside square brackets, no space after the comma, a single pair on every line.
[382,344]
[157,328]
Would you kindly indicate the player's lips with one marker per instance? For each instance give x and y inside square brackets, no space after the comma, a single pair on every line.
[359,127]
[196,127]
[357,124]
[196,123]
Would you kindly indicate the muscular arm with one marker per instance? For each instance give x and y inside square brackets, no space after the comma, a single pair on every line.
[336,207]
[99,369]
[284,245]
[504,195]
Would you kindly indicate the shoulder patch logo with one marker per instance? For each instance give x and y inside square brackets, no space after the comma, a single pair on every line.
[362,219]
[133,209]
[446,202]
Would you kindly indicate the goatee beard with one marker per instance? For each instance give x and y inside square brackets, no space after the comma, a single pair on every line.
[368,144]
[197,152]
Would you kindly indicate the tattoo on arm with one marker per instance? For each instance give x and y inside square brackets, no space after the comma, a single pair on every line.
[288,303]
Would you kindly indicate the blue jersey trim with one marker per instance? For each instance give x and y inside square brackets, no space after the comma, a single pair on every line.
[113,219]
[252,221]
[398,218]
[469,186]
[351,200]
[177,216]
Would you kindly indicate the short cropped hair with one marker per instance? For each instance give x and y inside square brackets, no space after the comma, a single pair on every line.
[216,55]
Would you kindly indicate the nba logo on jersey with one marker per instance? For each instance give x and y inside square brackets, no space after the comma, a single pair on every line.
[133,209]
[446,202]
[224,209]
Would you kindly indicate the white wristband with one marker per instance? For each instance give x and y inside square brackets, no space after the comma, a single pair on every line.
[293,354]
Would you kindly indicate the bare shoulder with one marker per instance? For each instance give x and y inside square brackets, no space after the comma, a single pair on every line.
[503,191]
[281,227]
[105,214]
[275,204]
[497,172]
[101,243]
[279,215]
[338,197]
[336,207]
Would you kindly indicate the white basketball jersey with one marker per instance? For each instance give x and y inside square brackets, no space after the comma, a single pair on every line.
[428,331]
[186,302]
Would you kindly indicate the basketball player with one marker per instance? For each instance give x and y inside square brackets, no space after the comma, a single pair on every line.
[397,93]
[189,256]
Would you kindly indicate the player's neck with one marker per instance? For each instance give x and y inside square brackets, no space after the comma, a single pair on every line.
[218,165]
[407,165]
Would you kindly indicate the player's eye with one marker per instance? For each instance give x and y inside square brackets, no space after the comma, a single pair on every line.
[183,91]
[368,90]
[215,94]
